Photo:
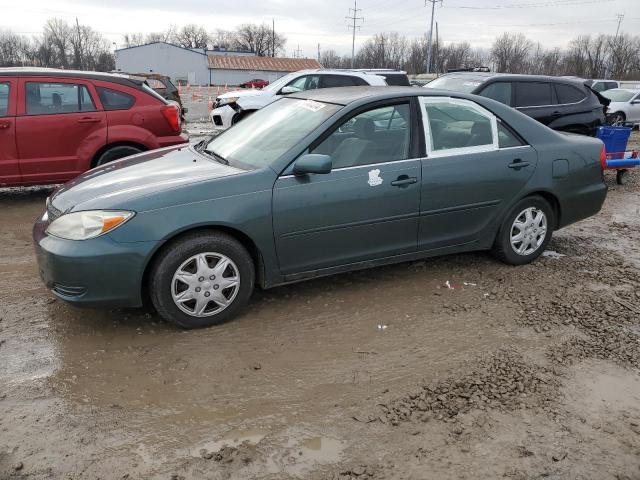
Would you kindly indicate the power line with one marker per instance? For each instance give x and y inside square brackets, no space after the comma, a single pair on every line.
[355,18]
[556,3]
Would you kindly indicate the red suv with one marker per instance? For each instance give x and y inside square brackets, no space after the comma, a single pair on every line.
[56,124]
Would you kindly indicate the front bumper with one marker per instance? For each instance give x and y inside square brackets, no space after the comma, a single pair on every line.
[222,117]
[99,272]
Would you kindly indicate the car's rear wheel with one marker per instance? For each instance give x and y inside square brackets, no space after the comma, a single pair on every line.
[202,280]
[525,231]
[617,118]
[115,153]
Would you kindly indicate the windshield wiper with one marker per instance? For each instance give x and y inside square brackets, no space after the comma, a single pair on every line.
[216,157]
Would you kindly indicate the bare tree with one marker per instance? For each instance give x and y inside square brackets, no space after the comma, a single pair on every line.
[383,50]
[223,39]
[59,34]
[259,39]
[510,52]
[192,36]
[133,39]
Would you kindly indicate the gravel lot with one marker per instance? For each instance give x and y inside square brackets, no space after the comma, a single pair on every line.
[517,373]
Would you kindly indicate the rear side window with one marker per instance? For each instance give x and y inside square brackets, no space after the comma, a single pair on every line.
[611,85]
[54,98]
[506,138]
[155,83]
[533,94]
[457,125]
[115,100]
[357,81]
[499,91]
[568,94]
[330,81]
[4,99]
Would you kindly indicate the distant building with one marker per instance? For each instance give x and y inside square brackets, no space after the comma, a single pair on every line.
[206,67]
[234,70]
[180,64]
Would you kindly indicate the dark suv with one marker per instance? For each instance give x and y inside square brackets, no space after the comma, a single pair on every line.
[560,103]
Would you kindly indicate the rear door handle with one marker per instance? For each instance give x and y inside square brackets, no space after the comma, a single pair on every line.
[403,181]
[556,114]
[517,164]
[89,120]
[4,125]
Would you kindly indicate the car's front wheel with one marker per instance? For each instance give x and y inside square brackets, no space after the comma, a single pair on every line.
[201,280]
[525,231]
[618,118]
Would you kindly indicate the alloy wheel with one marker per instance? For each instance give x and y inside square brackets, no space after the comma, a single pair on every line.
[205,284]
[528,231]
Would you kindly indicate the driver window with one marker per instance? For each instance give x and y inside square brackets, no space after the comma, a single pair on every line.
[298,83]
[375,136]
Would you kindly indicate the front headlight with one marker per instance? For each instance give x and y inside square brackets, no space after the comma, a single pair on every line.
[227,101]
[88,224]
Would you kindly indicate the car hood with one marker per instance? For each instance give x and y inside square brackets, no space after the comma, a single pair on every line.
[138,176]
[243,93]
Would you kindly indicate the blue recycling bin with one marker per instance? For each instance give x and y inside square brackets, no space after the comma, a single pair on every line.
[615,139]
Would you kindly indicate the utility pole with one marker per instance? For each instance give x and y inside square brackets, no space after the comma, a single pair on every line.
[620,17]
[430,45]
[354,18]
[318,52]
[79,59]
[273,37]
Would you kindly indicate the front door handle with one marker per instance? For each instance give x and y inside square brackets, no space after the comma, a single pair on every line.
[517,164]
[403,181]
[4,126]
[89,120]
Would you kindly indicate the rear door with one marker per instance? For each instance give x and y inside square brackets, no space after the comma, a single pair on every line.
[634,109]
[9,167]
[537,100]
[475,168]
[58,129]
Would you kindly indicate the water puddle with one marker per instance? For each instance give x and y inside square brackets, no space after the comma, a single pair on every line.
[232,438]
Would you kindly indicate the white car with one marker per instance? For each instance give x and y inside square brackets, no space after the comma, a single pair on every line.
[624,106]
[231,107]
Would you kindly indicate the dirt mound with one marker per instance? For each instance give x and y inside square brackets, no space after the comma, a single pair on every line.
[502,381]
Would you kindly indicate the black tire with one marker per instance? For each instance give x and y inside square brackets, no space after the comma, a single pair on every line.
[114,153]
[240,116]
[502,248]
[617,118]
[176,253]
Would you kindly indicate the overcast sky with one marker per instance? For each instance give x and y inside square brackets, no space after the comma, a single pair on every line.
[307,23]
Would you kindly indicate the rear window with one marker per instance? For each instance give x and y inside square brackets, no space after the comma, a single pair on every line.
[465,84]
[499,91]
[330,81]
[4,99]
[114,99]
[533,94]
[569,94]
[396,79]
[44,98]
[618,95]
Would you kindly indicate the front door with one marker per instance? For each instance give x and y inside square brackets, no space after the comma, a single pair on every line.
[475,168]
[366,208]
[58,129]
[9,169]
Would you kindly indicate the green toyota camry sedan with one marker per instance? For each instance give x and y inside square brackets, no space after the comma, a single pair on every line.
[317,183]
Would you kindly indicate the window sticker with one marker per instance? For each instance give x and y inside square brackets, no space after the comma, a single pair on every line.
[374,178]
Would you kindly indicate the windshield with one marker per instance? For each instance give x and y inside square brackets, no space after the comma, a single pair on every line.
[281,82]
[618,95]
[456,84]
[264,136]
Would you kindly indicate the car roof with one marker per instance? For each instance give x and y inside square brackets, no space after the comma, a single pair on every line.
[515,76]
[56,72]
[347,95]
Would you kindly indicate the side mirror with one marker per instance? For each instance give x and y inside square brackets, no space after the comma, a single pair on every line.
[312,163]
[288,89]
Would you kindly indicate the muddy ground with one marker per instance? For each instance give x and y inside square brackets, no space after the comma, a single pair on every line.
[514,372]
